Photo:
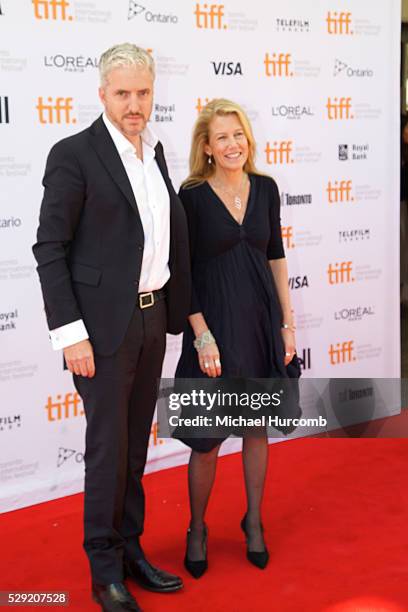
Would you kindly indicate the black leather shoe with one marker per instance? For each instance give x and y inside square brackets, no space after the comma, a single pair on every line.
[197,568]
[259,559]
[150,577]
[114,598]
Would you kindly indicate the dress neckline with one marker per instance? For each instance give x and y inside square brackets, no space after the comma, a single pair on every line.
[226,208]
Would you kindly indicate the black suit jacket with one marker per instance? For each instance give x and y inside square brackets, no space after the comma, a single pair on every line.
[90,240]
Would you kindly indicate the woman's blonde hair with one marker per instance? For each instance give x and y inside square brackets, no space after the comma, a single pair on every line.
[200,169]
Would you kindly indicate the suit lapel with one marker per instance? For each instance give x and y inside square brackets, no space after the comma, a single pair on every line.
[110,158]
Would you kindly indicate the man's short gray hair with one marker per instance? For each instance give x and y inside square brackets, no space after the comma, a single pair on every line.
[124,55]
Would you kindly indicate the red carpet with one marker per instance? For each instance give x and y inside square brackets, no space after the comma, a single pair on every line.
[335,516]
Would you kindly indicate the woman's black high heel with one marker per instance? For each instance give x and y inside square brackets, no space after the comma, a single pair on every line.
[259,559]
[197,568]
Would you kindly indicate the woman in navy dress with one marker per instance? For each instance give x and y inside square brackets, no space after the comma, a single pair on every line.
[241,322]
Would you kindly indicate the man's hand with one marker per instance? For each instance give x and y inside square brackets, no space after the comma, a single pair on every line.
[79,358]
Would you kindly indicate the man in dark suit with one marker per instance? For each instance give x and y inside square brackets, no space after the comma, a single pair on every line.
[112,253]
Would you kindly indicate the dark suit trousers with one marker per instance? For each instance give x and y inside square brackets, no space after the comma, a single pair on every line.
[119,405]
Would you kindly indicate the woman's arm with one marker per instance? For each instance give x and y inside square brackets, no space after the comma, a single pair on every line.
[280,275]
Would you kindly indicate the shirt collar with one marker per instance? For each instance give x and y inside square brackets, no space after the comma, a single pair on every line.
[123,145]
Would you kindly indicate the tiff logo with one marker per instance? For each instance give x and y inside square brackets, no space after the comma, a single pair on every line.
[4,109]
[201,103]
[64,409]
[279,152]
[287,236]
[210,16]
[339,23]
[342,352]
[340,191]
[278,65]
[55,112]
[51,9]
[340,273]
[339,109]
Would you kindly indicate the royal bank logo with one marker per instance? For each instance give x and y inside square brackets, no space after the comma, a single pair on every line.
[69,454]
[339,24]
[64,407]
[71,63]
[356,313]
[340,191]
[54,10]
[55,110]
[278,65]
[342,352]
[138,10]
[343,69]
[292,25]
[10,422]
[164,113]
[339,109]
[354,235]
[8,320]
[292,112]
[4,109]
[279,152]
[227,68]
[340,273]
[354,152]
[288,199]
[298,282]
[210,16]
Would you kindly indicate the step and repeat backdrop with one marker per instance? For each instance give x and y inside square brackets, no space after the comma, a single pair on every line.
[320,83]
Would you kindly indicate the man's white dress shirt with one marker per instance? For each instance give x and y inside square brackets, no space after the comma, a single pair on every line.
[153,202]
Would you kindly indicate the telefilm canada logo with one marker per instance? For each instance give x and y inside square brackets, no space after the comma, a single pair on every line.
[10,422]
[136,10]
[296,25]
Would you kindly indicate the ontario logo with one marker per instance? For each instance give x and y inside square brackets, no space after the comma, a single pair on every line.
[135,10]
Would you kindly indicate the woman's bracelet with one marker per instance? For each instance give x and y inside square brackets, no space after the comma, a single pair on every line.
[287,326]
[203,339]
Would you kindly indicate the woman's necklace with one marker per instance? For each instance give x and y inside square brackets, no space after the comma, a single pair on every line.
[235,194]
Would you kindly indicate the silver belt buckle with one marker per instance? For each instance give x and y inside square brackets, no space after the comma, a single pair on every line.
[146,296]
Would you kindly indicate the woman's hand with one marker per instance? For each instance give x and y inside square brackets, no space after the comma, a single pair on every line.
[209,360]
[288,336]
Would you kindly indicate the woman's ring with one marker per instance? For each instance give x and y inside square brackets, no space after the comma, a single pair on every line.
[217,363]
[206,365]
[288,354]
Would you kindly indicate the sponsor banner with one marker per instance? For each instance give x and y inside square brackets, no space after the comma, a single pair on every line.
[321,123]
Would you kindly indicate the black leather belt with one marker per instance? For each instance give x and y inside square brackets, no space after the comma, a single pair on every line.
[146,300]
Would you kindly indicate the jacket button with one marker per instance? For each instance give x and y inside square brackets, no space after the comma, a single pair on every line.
[136,281]
[140,248]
